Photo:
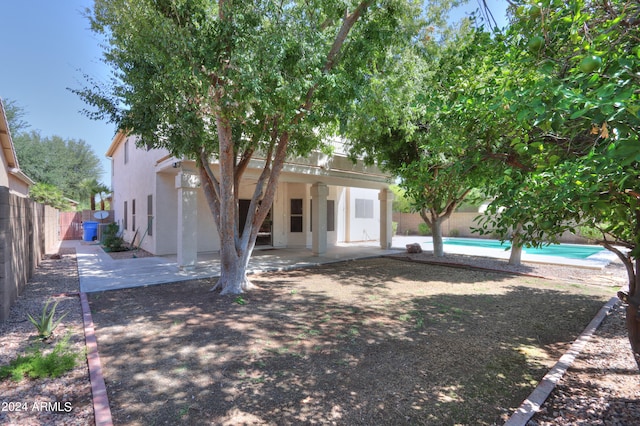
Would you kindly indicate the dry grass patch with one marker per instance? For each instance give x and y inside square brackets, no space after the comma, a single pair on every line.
[377,341]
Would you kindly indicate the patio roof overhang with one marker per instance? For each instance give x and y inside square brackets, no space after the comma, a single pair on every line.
[335,170]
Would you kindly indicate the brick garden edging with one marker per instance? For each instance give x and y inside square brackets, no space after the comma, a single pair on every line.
[101,408]
[534,401]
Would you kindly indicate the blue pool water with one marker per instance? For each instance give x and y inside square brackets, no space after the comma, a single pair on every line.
[571,251]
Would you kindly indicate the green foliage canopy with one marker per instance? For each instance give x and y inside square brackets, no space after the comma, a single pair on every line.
[261,65]
[15,116]
[62,163]
[582,121]
[228,80]
[49,194]
[581,109]
[438,135]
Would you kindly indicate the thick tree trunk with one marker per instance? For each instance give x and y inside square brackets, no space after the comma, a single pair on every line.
[633,328]
[515,257]
[222,197]
[631,298]
[233,275]
[222,194]
[438,243]
[633,311]
[434,221]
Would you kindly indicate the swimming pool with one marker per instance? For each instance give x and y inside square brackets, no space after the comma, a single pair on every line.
[571,251]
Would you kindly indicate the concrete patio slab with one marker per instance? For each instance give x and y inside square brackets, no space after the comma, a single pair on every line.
[99,272]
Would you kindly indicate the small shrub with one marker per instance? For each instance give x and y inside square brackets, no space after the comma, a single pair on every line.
[36,365]
[454,233]
[46,324]
[423,229]
[394,228]
[590,233]
[112,242]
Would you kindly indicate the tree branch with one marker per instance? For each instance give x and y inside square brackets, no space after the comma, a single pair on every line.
[209,180]
[348,23]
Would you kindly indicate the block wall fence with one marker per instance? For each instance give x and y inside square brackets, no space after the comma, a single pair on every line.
[460,224]
[28,230]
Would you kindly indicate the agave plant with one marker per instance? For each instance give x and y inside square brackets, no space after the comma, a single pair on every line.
[46,323]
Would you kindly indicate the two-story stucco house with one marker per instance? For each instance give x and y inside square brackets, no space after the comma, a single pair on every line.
[157,200]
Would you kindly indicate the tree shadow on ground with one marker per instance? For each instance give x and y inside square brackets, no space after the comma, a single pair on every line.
[356,343]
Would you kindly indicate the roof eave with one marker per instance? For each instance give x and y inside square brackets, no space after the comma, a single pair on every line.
[21,176]
[117,140]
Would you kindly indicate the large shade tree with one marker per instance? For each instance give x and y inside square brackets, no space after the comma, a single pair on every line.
[15,116]
[230,81]
[582,112]
[57,165]
[57,161]
[441,138]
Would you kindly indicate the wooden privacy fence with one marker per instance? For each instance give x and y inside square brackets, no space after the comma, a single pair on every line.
[70,226]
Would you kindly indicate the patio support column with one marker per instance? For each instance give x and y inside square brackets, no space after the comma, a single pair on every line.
[319,193]
[386,218]
[187,185]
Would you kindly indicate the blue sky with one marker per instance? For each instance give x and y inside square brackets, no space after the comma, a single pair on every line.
[47,47]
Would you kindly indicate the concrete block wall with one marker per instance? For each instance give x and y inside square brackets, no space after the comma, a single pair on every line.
[407,223]
[28,230]
[460,224]
[5,250]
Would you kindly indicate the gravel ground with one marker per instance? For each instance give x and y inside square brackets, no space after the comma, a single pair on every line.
[602,387]
[62,401]
[613,275]
[129,254]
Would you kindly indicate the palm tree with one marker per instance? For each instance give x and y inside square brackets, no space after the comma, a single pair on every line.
[90,187]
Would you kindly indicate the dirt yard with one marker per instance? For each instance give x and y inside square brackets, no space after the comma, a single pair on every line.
[379,341]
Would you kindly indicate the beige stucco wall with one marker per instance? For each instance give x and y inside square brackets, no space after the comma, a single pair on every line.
[4,170]
[363,229]
[8,179]
[18,186]
[151,172]
[165,232]
[135,180]
[460,224]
